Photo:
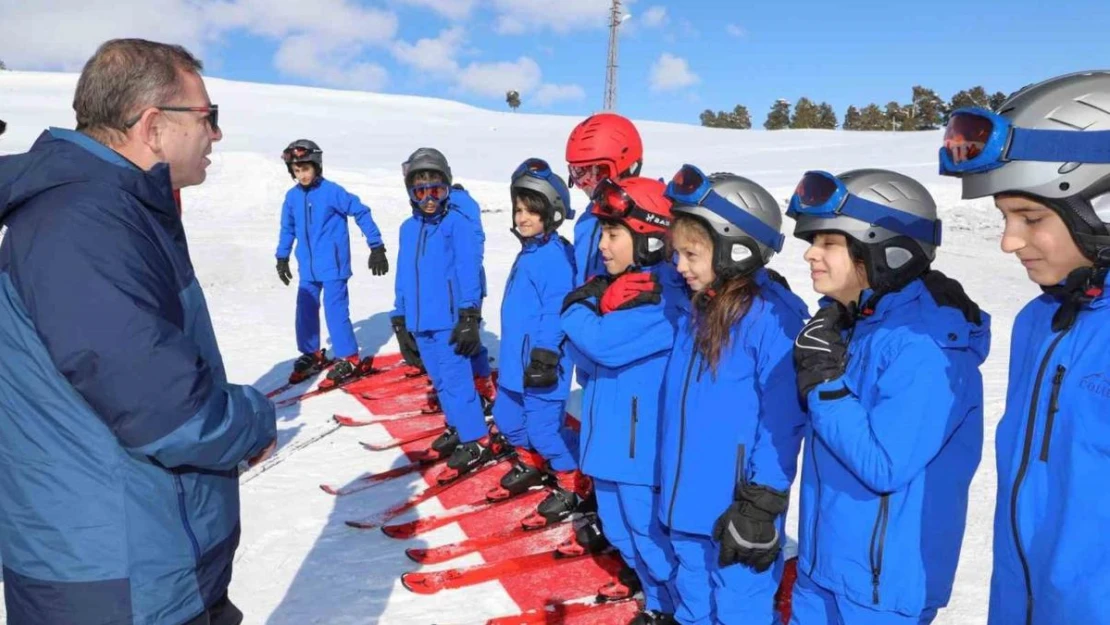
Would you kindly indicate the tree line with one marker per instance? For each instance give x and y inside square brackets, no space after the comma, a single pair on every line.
[926,111]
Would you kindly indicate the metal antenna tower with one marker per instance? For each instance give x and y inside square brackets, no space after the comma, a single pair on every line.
[611,67]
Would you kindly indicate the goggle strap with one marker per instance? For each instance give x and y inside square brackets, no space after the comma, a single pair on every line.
[1060,146]
[742,219]
[892,219]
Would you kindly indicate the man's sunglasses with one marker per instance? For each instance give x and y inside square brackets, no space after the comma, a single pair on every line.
[212,117]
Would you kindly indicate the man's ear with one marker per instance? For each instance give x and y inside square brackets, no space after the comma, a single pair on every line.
[148,130]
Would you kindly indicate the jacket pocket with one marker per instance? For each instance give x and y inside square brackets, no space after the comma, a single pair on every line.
[1053,408]
[451,298]
[632,429]
[878,544]
[179,486]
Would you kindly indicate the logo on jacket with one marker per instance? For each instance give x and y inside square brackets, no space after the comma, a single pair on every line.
[1096,383]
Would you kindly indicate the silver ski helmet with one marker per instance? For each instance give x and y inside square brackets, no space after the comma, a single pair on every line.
[426,159]
[1049,141]
[536,176]
[891,216]
[742,217]
[303,151]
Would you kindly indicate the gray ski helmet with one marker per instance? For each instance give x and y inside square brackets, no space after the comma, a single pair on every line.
[892,260]
[1078,192]
[735,253]
[426,159]
[303,151]
[554,192]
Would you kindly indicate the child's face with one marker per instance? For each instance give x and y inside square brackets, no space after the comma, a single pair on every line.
[617,248]
[832,269]
[695,259]
[528,224]
[430,205]
[305,173]
[1038,237]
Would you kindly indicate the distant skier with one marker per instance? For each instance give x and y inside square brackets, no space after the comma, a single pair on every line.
[315,215]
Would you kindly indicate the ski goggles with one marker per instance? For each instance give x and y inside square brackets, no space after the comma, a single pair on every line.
[821,194]
[610,201]
[421,193]
[297,154]
[539,168]
[977,140]
[584,175]
[691,186]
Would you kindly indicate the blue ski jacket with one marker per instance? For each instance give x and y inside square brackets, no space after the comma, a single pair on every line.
[625,354]
[316,218]
[461,201]
[541,277]
[891,448]
[587,236]
[120,435]
[1052,449]
[744,422]
[438,270]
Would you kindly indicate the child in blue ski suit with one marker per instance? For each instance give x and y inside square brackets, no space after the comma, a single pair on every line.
[436,308]
[889,369]
[732,423]
[534,379]
[1052,445]
[622,326]
[314,215]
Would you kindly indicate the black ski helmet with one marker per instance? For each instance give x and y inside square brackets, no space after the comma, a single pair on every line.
[426,159]
[303,151]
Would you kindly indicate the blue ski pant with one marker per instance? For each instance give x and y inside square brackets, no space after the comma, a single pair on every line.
[630,520]
[709,594]
[537,423]
[337,313]
[813,605]
[454,384]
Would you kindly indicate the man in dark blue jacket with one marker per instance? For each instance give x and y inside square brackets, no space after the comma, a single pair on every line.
[120,436]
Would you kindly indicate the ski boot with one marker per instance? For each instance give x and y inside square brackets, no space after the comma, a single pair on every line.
[346,370]
[624,587]
[466,458]
[572,494]
[587,538]
[526,473]
[308,365]
[442,446]
[487,392]
[653,617]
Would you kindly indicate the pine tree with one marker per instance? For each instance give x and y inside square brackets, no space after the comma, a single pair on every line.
[873,118]
[927,110]
[779,117]
[740,118]
[709,119]
[996,100]
[512,98]
[895,115]
[851,119]
[826,116]
[805,114]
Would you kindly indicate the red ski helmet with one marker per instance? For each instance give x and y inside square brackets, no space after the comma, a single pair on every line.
[606,139]
[640,205]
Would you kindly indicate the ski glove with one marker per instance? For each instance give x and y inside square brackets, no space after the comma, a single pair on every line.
[746,532]
[283,270]
[630,290]
[465,335]
[593,288]
[379,264]
[409,352]
[543,371]
[820,353]
[948,292]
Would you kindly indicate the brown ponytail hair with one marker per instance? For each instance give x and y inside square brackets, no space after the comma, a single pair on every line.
[718,308]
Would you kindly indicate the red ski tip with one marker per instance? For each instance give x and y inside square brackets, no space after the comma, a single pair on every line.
[420,583]
[416,555]
[350,422]
[329,489]
[401,531]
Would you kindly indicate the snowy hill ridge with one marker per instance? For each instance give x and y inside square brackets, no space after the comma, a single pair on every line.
[297,562]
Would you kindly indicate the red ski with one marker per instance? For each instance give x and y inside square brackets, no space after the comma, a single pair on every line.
[353,422]
[417,527]
[557,613]
[404,440]
[435,555]
[435,581]
[371,371]
[429,492]
[369,481]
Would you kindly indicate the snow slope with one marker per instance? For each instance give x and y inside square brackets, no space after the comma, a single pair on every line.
[297,562]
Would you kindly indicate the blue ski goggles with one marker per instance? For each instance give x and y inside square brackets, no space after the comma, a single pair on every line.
[821,194]
[538,168]
[421,193]
[977,140]
[691,186]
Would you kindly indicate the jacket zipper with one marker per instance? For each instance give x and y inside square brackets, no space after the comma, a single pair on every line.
[817,510]
[632,432]
[878,538]
[451,298]
[1020,477]
[419,236]
[1053,408]
[681,433]
[741,473]
[180,486]
[308,237]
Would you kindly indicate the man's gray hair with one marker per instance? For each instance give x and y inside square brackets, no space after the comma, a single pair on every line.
[124,77]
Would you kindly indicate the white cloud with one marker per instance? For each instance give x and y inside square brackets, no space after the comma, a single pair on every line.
[341,20]
[456,10]
[655,17]
[515,17]
[549,94]
[303,57]
[670,73]
[494,79]
[432,55]
[735,31]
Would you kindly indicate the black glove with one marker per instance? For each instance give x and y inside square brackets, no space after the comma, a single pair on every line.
[948,292]
[746,531]
[283,270]
[409,352]
[543,371]
[379,264]
[820,353]
[594,287]
[465,335]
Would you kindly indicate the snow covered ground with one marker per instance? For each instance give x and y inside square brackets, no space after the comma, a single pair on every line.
[297,562]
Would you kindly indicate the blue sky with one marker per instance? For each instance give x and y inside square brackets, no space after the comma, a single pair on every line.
[676,58]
